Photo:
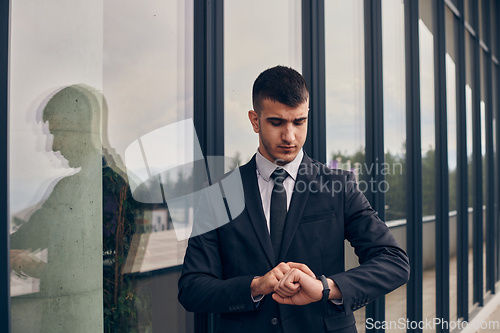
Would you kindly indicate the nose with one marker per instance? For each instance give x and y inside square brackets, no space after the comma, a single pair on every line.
[55,143]
[288,134]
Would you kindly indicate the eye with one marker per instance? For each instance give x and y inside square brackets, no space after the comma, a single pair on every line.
[299,122]
[275,123]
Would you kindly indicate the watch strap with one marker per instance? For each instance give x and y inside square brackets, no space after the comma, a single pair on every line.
[326,288]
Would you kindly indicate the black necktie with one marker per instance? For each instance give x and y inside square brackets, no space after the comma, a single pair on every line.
[278,210]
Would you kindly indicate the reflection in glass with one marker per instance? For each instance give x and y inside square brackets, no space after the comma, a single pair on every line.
[426,44]
[345,93]
[468,110]
[86,81]
[395,138]
[55,248]
[495,130]
[452,174]
[427,112]
[394,107]
[451,104]
[495,25]
[147,82]
[467,13]
[250,47]
[480,4]
[484,181]
[495,107]
[55,200]
[345,99]
[482,114]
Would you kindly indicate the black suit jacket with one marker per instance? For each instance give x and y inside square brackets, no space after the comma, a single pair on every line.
[326,208]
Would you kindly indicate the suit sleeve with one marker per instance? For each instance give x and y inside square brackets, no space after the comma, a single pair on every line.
[202,287]
[384,266]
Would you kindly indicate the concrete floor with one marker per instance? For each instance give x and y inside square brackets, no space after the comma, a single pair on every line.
[493,322]
[396,301]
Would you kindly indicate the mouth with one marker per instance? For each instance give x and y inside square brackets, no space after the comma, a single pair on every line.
[286,148]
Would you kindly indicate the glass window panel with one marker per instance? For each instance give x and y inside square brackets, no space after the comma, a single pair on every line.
[393,44]
[87,82]
[451,104]
[49,169]
[426,44]
[467,10]
[480,4]
[394,107]
[425,13]
[495,107]
[495,25]
[452,172]
[484,84]
[345,99]
[148,70]
[470,7]
[250,47]
[451,26]
[468,109]
[495,134]
[345,96]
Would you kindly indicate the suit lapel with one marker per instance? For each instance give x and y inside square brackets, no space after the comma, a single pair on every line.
[307,173]
[254,208]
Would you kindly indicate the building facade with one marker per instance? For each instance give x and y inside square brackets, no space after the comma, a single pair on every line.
[108,105]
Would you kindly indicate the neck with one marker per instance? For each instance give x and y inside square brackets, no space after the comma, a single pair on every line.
[277,162]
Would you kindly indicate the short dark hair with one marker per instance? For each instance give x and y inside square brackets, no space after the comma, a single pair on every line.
[279,84]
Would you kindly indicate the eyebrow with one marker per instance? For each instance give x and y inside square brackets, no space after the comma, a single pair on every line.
[281,119]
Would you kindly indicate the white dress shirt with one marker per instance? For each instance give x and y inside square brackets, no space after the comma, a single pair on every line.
[265,169]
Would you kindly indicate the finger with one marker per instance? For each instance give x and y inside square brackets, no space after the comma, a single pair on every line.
[284,293]
[279,287]
[291,278]
[278,272]
[289,284]
[278,275]
[287,289]
[282,300]
[284,279]
[303,267]
[281,270]
[283,267]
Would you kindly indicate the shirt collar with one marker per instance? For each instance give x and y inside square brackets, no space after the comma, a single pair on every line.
[266,167]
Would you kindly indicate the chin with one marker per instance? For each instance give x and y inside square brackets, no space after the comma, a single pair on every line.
[286,158]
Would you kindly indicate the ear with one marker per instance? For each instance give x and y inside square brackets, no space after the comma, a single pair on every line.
[254,119]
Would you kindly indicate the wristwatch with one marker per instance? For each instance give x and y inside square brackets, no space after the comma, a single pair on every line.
[326,288]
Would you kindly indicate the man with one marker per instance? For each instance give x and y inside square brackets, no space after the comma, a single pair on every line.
[279,266]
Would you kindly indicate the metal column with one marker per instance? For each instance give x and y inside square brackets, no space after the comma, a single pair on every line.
[414,164]
[441,173]
[313,70]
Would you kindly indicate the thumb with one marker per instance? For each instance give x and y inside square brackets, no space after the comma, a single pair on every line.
[282,300]
[303,267]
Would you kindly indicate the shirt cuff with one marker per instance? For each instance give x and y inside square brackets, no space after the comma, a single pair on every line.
[334,301]
[257,299]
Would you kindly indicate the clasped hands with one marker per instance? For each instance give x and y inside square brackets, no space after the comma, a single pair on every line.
[292,283]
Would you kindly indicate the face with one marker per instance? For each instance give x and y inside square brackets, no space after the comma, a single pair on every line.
[75,146]
[282,130]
